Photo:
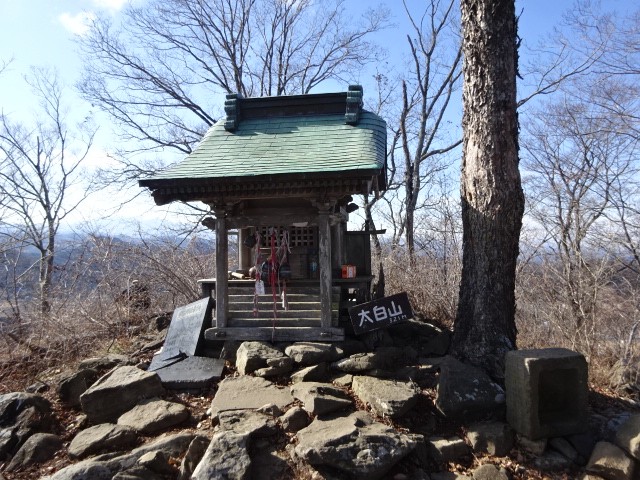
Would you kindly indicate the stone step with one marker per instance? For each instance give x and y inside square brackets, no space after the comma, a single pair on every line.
[266,311]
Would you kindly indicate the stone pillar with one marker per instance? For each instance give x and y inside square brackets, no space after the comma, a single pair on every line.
[222,269]
[324,266]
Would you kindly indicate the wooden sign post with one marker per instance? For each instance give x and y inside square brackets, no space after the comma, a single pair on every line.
[380,313]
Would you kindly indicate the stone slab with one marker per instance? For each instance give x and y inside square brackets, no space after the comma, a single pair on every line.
[191,373]
[244,392]
[186,330]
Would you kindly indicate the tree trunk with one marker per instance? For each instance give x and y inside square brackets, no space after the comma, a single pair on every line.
[492,198]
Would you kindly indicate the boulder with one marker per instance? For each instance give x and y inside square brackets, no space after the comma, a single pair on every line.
[38,448]
[610,462]
[138,472]
[450,449]
[320,398]
[494,438]
[252,356]
[353,444]
[275,367]
[383,359]
[117,392]
[153,415]
[294,419]
[490,472]
[467,392]
[424,338]
[194,454]
[245,392]
[388,398]
[311,353]
[21,415]
[247,422]
[106,436]
[564,447]
[226,457]
[314,373]
[105,467]
[157,462]
[628,436]
[106,362]
[551,461]
[72,386]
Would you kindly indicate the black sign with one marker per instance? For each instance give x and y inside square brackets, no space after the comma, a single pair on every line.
[380,313]
[186,329]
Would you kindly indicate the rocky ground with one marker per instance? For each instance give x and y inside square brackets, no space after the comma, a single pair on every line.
[385,406]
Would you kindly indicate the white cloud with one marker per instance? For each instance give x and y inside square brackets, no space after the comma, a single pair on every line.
[113,5]
[77,24]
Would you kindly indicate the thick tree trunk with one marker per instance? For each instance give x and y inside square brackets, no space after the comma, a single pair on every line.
[492,198]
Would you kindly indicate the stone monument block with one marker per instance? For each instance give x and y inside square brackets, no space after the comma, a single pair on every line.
[546,392]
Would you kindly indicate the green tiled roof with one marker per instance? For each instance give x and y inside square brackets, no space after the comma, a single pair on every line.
[283,145]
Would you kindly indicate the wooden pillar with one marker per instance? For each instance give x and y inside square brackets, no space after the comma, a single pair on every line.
[337,242]
[244,253]
[324,267]
[222,269]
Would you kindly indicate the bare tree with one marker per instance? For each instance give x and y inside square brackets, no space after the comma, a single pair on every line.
[419,141]
[492,197]
[39,166]
[156,75]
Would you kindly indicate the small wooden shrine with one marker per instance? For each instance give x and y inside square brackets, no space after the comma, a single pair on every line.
[281,172]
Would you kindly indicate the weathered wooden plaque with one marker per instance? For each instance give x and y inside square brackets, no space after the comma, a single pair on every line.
[380,313]
[186,330]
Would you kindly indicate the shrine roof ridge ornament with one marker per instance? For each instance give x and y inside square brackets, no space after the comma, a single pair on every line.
[238,108]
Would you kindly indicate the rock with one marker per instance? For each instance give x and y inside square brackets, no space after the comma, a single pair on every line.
[384,358]
[194,454]
[536,447]
[489,472]
[610,462]
[448,476]
[628,436]
[253,355]
[450,449]
[275,367]
[37,387]
[247,422]
[105,363]
[137,472]
[270,409]
[226,457]
[117,392]
[21,415]
[343,380]
[106,436]
[353,444]
[267,462]
[311,353]
[158,462]
[426,339]
[153,415]
[294,419]
[388,398]
[466,391]
[314,373]
[104,467]
[320,398]
[583,443]
[244,392]
[38,448]
[562,445]
[551,461]
[72,386]
[494,438]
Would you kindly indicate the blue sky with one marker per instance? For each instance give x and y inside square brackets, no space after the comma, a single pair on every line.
[41,32]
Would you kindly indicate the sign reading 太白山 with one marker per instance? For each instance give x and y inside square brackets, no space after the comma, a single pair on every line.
[380,313]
